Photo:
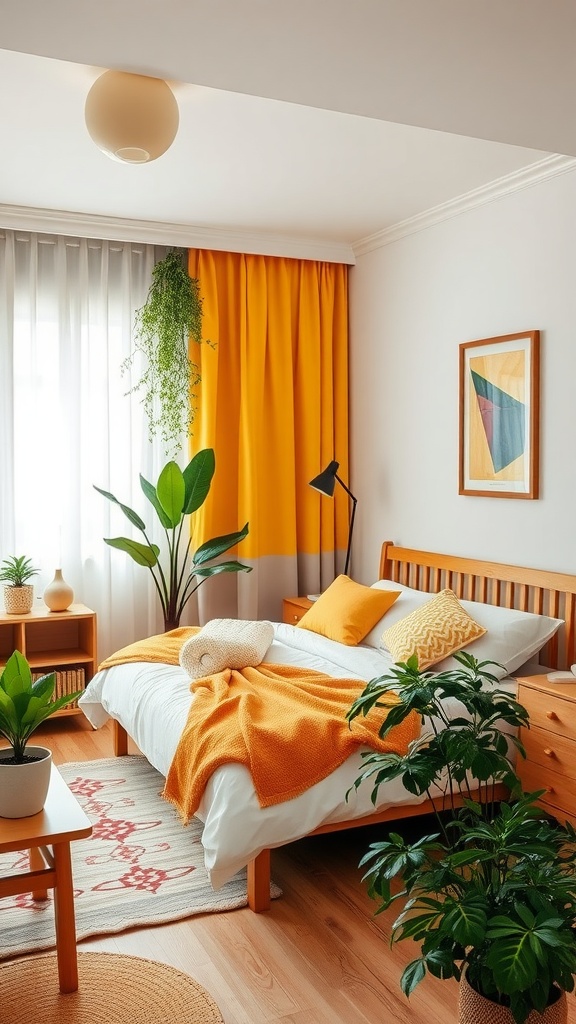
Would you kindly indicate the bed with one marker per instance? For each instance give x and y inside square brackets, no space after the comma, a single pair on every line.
[528,610]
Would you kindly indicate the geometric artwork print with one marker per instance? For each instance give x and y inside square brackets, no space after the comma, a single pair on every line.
[504,421]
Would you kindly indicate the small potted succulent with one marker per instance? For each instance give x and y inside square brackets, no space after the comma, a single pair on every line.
[24,704]
[18,593]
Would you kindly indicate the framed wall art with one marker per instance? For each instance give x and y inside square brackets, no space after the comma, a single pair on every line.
[499,416]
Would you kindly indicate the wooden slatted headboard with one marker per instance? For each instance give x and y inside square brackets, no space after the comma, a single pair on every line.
[508,586]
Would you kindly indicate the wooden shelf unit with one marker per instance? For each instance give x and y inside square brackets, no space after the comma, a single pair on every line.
[52,641]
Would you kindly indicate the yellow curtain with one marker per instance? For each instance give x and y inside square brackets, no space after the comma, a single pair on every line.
[273,404]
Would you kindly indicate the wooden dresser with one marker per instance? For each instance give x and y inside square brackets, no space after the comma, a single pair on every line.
[550,743]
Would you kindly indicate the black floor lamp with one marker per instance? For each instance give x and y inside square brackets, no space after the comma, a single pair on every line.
[324,483]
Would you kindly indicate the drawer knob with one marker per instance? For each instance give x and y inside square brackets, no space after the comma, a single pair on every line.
[549,789]
[296,618]
[549,752]
[551,715]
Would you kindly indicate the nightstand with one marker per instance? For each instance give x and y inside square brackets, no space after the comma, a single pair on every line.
[550,743]
[293,609]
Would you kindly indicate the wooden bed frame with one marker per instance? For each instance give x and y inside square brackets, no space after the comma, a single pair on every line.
[508,586]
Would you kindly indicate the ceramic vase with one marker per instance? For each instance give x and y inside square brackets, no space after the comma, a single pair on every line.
[19,600]
[476,1009]
[58,595]
[24,787]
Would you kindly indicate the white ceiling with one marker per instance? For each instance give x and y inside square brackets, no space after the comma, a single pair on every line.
[314,124]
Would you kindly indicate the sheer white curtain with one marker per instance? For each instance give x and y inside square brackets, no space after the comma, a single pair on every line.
[66,423]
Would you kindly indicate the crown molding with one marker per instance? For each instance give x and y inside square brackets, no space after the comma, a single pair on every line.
[62,222]
[549,167]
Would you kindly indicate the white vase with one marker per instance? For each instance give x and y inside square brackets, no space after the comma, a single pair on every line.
[24,787]
[19,600]
[58,595]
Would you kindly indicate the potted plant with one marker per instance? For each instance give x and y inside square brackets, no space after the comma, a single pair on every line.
[177,495]
[24,704]
[163,327]
[18,593]
[491,895]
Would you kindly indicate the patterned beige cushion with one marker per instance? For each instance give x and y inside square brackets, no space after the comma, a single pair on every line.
[432,632]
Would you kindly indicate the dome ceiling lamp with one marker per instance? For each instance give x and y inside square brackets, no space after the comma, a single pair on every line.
[131,118]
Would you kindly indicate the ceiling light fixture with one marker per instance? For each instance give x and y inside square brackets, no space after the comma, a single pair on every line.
[131,118]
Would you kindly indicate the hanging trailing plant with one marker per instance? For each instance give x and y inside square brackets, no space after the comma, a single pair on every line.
[171,315]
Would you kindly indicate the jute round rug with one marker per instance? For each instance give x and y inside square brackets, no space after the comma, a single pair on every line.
[113,989]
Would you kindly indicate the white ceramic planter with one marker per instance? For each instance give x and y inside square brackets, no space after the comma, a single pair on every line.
[23,787]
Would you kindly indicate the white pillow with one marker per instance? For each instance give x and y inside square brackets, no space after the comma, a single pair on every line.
[512,637]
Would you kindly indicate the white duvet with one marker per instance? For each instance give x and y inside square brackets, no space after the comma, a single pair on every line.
[151,701]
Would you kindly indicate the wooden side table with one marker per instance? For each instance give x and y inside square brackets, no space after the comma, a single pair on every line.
[550,743]
[293,609]
[61,821]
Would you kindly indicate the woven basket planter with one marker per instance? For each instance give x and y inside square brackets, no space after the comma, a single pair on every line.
[476,1009]
[19,600]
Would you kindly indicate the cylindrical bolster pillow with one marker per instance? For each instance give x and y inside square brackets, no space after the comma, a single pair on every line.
[226,643]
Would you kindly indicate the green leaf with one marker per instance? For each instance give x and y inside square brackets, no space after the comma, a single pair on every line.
[216,547]
[143,554]
[198,478]
[412,975]
[43,688]
[215,570]
[128,512]
[150,492]
[17,677]
[513,963]
[170,490]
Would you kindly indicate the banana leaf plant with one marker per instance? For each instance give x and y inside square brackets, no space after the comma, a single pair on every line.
[176,496]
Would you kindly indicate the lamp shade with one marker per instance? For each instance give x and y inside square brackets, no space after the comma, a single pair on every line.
[326,480]
[131,118]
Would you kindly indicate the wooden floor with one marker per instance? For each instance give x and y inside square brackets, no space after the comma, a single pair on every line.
[318,957]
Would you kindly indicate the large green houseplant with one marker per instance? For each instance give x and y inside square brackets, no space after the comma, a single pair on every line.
[492,893]
[163,327]
[176,496]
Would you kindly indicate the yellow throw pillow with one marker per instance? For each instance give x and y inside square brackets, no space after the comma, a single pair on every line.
[433,631]
[346,611]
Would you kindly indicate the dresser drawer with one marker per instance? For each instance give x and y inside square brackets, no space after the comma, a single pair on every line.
[560,789]
[293,608]
[553,751]
[549,712]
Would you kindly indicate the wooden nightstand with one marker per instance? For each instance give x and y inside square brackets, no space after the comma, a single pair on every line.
[550,743]
[293,609]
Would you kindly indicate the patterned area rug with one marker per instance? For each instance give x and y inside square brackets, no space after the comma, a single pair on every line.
[140,866]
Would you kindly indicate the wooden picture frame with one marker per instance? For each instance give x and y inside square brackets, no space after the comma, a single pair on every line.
[499,428]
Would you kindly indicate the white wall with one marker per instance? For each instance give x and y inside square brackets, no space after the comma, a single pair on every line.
[505,267]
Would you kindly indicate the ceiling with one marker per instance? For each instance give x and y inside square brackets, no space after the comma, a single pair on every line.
[305,127]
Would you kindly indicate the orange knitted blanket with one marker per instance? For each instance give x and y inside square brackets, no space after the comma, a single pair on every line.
[284,723]
[163,648]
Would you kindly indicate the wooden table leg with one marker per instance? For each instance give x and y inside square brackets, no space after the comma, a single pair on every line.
[37,864]
[64,918]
